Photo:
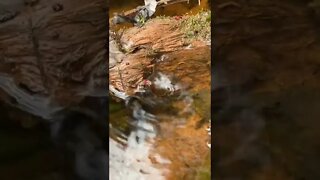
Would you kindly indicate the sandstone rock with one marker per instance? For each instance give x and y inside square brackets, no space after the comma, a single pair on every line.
[56,56]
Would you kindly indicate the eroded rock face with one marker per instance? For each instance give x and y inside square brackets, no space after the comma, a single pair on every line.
[52,53]
[144,47]
[53,59]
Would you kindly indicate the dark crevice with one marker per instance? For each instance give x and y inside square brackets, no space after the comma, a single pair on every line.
[35,43]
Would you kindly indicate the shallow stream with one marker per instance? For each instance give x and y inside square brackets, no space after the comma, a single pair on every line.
[162,134]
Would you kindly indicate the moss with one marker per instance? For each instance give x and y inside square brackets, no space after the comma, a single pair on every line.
[194,27]
[197,27]
[202,104]
[151,52]
[161,17]
[119,120]
[114,107]
[204,171]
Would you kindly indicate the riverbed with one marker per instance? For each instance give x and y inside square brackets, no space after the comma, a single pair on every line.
[174,145]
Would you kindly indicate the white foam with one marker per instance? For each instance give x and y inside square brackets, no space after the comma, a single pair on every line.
[132,163]
[164,82]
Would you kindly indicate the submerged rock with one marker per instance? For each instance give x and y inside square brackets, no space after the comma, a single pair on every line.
[159,75]
[146,48]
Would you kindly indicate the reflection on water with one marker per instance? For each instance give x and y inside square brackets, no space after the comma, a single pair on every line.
[171,10]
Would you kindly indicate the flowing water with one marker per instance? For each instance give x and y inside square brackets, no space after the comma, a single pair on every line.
[171,10]
[152,134]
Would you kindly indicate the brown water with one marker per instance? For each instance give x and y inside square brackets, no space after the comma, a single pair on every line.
[174,146]
[175,151]
[171,10]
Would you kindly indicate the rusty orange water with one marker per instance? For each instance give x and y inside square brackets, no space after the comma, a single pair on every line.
[184,146]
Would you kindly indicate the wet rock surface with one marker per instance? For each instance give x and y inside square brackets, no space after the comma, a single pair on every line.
[53,69]
[264,75]
[56,55]
[143,50]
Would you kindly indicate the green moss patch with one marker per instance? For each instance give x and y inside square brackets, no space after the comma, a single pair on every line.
[197,27]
